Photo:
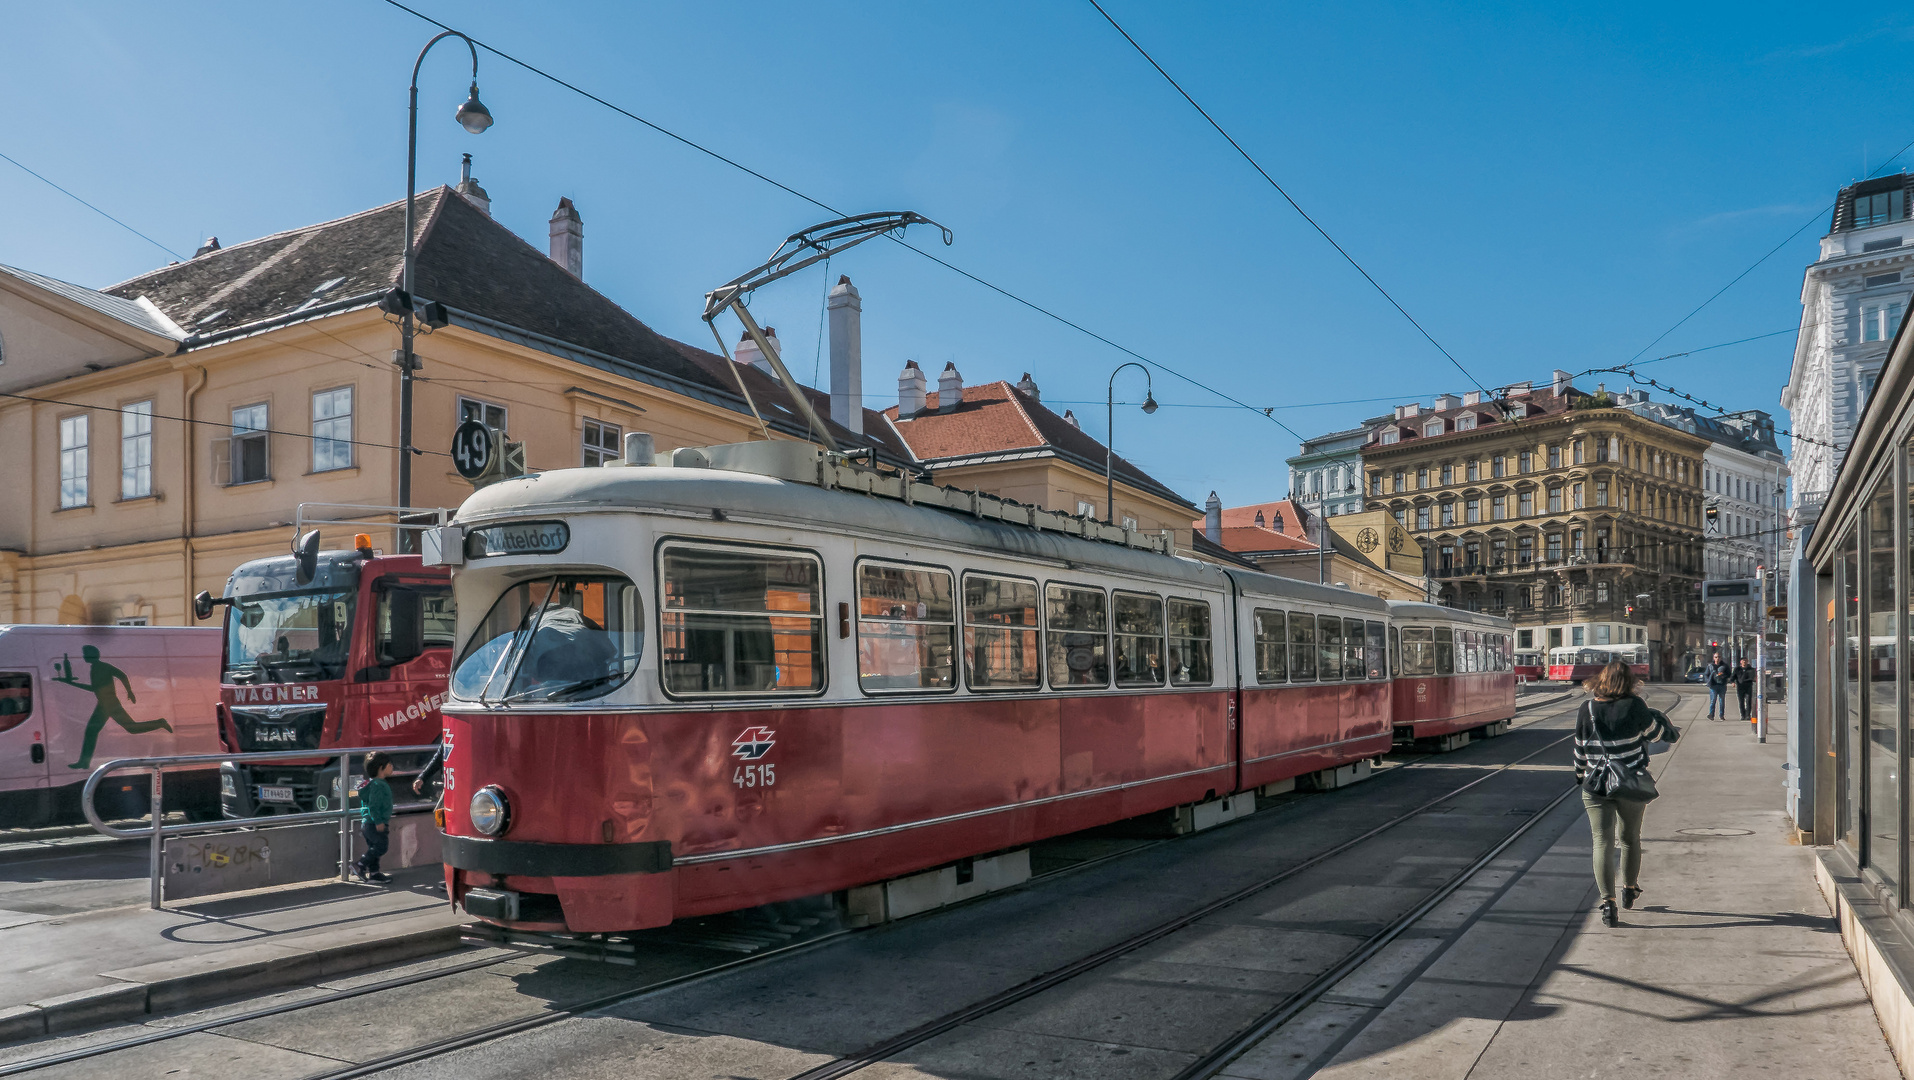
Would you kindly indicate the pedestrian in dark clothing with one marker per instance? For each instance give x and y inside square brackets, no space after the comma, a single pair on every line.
[375,816]
[433,767]
[1616,725]
[1718,677]
[1744,680]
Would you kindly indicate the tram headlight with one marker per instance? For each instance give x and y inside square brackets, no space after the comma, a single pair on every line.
[490,812]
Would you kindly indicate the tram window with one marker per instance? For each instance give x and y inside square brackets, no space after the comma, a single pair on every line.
[1078,622]
[1418,651]
[1465,651]
[741,621]
[1378,651]
[1000,634]
[1354,659]
[1189,643]
[1302,647]
[1272,647]
[1395,653]
[1139,640]
[1328,648]
[563,638]
[1445,651]
[906,628]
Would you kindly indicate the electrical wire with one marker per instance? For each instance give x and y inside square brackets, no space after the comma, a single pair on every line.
[219,424]
[95,209]
[1294,205]
[822,205]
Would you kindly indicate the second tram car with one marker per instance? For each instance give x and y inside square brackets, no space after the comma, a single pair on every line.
[1455,674]
[688,690]
[1529,665]
[1574,663]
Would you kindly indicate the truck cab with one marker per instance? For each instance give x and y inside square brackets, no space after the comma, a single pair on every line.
[355,652]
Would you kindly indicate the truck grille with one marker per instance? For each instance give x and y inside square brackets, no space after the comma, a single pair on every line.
[279,729]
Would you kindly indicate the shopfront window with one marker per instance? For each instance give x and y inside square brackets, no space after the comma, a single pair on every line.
[1884,725]
[1849,750]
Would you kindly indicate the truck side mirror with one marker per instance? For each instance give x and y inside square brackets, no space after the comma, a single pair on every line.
[406,611]
[203,605]
[306,553]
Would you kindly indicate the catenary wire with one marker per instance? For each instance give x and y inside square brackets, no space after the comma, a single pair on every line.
[95,209]
[219,423]
[819,203]
[1254,164]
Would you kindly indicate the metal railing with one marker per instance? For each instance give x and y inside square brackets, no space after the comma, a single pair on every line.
[158,831]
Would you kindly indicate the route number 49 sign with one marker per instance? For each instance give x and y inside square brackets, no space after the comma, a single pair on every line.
[472,449]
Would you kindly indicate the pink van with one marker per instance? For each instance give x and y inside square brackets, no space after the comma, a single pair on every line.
[73,697]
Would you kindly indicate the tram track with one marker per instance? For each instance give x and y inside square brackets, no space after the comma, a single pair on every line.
[561,1011]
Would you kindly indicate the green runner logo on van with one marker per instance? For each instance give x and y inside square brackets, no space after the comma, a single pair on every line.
[100,678]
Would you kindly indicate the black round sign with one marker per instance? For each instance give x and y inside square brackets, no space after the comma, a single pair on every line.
[472,449]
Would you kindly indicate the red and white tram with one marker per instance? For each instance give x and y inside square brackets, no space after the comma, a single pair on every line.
[1574,663]
[1456,671]
[687,690]
[1529,665]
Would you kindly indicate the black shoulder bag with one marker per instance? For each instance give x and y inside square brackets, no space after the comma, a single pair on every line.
[1606,778]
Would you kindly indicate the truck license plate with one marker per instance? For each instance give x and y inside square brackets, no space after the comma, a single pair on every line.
[268,793]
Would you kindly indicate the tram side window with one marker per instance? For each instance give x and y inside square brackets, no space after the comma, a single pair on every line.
[1328,648]
[1395,652]
[1354,659]
[1302,647]
[1078,622]
[1272,647]
[1139,640]
[1190,663]
[906,628]
[741,621]
[1000,634]
[1378,651]
[1418,651]
[1465,652]
[1445,651]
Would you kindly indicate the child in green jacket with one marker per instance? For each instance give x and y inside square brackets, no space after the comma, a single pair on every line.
[375,816]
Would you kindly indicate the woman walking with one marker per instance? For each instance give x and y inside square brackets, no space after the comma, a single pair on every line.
[1613,730]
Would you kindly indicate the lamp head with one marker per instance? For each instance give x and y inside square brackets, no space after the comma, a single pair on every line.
[473,115]
[1149,403]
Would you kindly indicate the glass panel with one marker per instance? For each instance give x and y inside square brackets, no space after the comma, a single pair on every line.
[1079,642]
[1884,722]
[1000,633]
[554,639]
[906,628]
[1190,662]
[1329,647]
[1395,653]
[1418,650]
[289,636]
[1302,647]
[16,699]
[740,622]
[1139,640]
[1272,651]
[1445,651]
[1849,751]
[1354,663]
[1378,647]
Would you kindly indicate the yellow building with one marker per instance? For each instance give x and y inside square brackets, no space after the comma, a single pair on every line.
[164,430]
[1368,552]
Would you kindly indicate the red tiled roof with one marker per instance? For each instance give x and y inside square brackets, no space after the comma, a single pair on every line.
[1282,516]
[1534,403]
[1246,538]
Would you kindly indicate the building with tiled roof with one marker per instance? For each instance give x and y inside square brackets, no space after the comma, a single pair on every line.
[1364,551]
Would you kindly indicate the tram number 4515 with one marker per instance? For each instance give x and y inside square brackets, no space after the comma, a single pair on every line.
[749,776]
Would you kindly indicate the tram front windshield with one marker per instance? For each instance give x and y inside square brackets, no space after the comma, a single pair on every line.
[562,638]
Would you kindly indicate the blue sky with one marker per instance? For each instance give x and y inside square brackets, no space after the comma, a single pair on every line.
[1541,186]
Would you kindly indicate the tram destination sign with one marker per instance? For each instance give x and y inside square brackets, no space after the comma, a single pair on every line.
[1731,590]
[519,538]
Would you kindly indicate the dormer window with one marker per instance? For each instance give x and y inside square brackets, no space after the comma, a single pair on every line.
[1877,209]
[1433,427]
[1465,422]
[1389,436]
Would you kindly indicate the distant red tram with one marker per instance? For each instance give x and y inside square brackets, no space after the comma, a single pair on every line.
[1456,671]
[762,673]
[1575,663]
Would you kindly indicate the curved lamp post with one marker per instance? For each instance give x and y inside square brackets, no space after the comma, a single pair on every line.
[475,118]
[1109,437]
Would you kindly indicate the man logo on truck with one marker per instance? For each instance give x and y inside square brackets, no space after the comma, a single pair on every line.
[99,679]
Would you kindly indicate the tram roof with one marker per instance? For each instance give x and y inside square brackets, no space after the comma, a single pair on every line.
[1421,609]
[748,497]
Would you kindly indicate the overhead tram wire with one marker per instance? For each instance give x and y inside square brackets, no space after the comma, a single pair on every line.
[1340,250]
[822,205]
[95,209]
[307,435]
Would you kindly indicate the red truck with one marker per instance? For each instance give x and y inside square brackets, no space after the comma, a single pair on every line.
[327,649]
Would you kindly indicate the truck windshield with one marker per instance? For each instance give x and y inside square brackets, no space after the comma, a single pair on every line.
[289,637]
[562,638]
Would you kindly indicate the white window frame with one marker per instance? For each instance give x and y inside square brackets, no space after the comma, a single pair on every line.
[74,469]
[235,455]
[136,450]
[469,405]
[592,455]
[335,444]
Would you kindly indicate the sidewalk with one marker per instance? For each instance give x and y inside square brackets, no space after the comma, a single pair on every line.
[1730,966]
[68,972]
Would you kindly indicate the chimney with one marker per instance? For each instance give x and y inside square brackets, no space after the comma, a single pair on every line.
[1445,402]
[1472,397]
[1029,388]
[1562,382]
[910,391]
[470,188]
[749,353]
[1260,521]
[847,354]
[1409,411]
[950,389]
[211,245]
[1213,519]
[568,238]
[1071,419]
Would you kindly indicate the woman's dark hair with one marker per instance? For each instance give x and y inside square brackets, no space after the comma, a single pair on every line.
[1614,681]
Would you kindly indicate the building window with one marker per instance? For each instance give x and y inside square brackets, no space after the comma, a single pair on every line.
[1375,483]
[601,444]
[250,457]
[332,429]
[1473,510]
[1465,422]
[1448,513]
[1577,445]
[1575,496]
[1499,507]
[136,450]
[1496,465]
[1129,523]
[1475,471]
[73,490]
[1555,500]
[1422,479]
[1875,281]
[1526,461]
[1624,496]
[1555,600]
[1086,509]
[1554,547]
[492,416]
[1433,427]
[1524,550]
[1601,493]
[1526,503]
[130,620]
[1422,517]
[1576,546]
[1601,449]
[1601,597]
[1402,518]
[1448,556]
[1576,637]
[1878,321]
[1401,485]
[1448,475]
[1389,436]
[1555,457]
[1877,209]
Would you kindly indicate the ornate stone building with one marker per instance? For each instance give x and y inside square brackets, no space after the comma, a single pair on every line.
[1564,511]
